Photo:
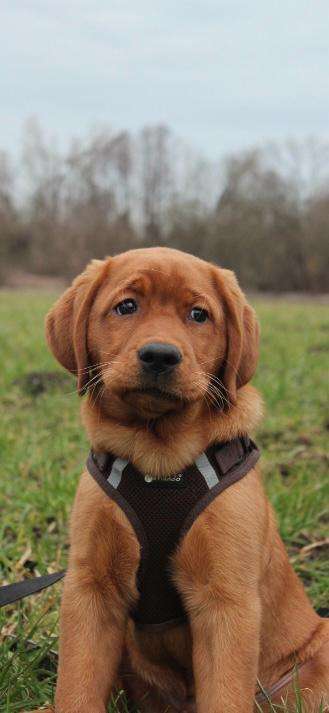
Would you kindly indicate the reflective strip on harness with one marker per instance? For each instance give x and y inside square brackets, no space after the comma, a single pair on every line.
[116,472]
[205,468]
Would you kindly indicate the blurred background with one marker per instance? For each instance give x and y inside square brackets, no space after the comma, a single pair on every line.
[202,126]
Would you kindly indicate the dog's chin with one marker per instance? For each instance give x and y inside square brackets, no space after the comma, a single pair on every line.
[152,402]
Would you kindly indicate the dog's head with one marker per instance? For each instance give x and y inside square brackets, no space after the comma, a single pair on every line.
[157,329]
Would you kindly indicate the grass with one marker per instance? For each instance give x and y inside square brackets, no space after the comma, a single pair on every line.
[43,449]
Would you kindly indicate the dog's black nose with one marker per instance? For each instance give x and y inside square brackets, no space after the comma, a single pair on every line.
[158,357]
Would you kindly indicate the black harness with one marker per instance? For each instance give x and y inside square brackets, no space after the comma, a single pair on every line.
[161,511]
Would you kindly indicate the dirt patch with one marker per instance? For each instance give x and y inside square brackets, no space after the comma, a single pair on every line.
[38,382]
[318,348]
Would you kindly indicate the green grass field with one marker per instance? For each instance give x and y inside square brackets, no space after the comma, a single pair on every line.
[43,449]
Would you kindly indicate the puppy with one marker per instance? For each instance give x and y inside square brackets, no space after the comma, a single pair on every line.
[164,345]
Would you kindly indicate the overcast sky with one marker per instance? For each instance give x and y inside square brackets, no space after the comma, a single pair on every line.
[222,75]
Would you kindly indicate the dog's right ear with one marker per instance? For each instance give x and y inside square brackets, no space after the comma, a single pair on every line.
[67,321]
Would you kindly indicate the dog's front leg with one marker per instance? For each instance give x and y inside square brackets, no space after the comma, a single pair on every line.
[91,638]
[225,655]
[98,590]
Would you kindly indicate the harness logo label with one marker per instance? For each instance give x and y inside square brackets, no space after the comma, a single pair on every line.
[173,479]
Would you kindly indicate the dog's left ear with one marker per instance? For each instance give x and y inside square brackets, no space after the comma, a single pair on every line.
[242,327]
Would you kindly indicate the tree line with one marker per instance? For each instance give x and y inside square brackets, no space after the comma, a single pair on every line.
[263,212]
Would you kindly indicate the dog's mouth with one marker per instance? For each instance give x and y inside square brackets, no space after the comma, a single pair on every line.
[156,392]
[153,401]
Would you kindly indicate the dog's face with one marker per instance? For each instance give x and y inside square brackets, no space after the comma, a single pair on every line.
[157,329]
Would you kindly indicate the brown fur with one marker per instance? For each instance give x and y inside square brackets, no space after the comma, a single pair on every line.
[249,616]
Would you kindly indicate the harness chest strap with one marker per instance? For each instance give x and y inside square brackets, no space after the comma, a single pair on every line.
[161,511]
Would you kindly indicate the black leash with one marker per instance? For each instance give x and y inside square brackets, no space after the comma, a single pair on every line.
[11,593]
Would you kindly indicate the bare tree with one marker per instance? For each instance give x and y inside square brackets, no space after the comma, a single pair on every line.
[262,212]
[156,180]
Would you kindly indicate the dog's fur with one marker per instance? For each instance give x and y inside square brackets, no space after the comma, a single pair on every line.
[249,616]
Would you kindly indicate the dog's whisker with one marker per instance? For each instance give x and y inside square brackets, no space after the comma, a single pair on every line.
[104,372]
[212,386]
[216,379]
[223,397]
[91,367]
[205,399]
[93,381]
[99,396]
[215,393]
[200,380]
[207,395]
[213,399]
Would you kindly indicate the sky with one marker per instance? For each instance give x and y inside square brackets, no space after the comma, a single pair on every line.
[222,75]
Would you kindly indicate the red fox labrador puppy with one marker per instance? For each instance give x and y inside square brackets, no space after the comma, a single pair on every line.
[179,590]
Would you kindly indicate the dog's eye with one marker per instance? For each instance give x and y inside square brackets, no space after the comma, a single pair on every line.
[128,306]
[198,314]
